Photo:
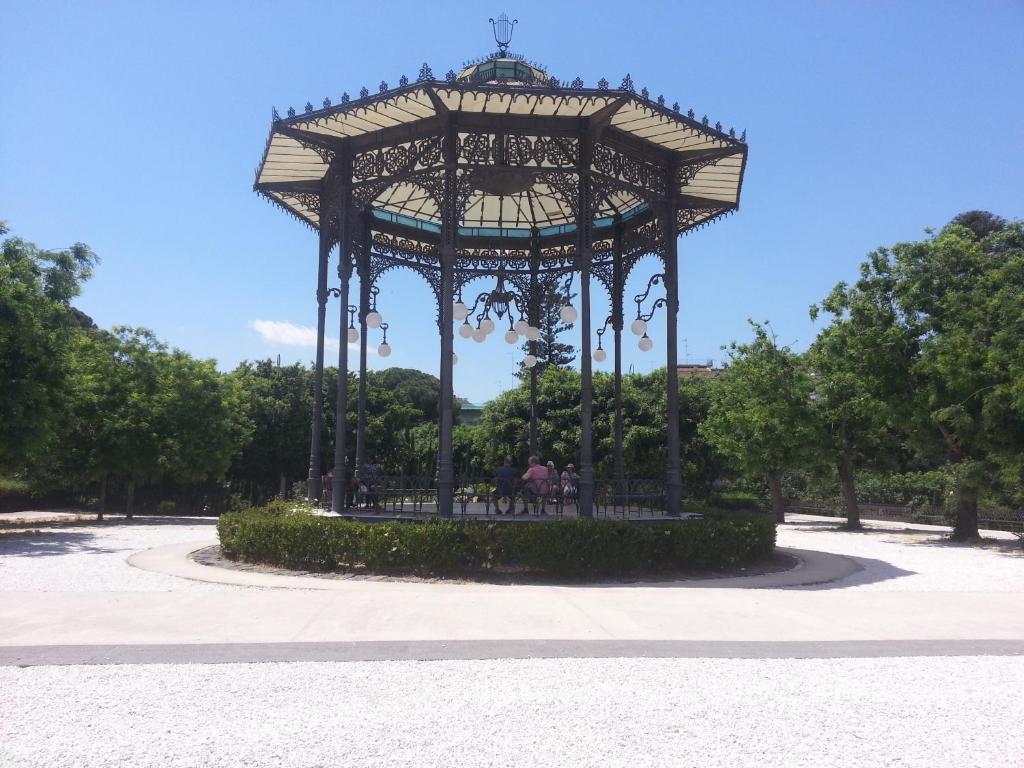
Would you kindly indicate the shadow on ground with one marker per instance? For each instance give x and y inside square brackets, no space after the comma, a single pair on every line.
[51,543]
[874,571]
[1003,546]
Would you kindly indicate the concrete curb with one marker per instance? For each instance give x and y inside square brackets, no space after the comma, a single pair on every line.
[813,568]
[449,650]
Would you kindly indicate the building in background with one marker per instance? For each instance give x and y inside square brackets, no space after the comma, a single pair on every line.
[706,370]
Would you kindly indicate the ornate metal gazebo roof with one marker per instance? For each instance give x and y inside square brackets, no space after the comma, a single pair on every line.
[516,135]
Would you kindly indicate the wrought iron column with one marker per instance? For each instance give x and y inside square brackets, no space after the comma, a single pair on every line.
[673,469]
[618,463]
[340,484]
[364,308]
[326,243]
[584,223]
[533,310]
[449,230]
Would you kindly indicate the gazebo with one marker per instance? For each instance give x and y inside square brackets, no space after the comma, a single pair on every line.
[500,171]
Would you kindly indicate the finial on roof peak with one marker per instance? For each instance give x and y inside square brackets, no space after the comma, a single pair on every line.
[502,29]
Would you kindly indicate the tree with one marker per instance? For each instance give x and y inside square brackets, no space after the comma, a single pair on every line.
[981,223]
[761,414]
[860,365]
[551,353]
[140,414]
[279,400]
[37,324]
[961,297]
[503,428]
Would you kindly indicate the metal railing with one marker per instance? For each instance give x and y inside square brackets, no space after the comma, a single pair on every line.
[478,496]
[629,497]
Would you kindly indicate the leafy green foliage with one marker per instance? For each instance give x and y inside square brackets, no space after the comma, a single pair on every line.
[503,428]
[860,366]
[556,548]
[37,323]
[760,413]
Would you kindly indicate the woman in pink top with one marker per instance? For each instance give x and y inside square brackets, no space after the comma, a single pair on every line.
[536,472]
[536,478]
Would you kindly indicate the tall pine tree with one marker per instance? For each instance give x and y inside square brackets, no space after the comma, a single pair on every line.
[550,351]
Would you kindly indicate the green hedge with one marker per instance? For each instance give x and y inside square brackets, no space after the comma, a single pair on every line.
[554,547]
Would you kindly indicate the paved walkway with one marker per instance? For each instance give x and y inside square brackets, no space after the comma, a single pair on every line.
[898,583]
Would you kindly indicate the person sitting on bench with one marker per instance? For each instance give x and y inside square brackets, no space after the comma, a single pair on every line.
[570,482]
[537,485]
[505,485]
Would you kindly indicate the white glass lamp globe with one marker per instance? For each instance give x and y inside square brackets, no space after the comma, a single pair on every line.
[374,319]
[533,333]
[460,311]
[384,349]
[529,361]
[487,325]
[645,344]
[568,314]
[465,330]
[600,355]
[353,335]
[639,327]
[479,335]
[521,327]
[511,337]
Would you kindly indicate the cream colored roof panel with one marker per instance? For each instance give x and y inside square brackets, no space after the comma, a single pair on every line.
[355,119]
[287,159]
[653,125]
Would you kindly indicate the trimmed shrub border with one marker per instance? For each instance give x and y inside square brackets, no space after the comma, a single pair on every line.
[558,548]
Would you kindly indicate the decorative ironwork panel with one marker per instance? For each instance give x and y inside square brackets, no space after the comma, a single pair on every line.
[309,200]
[691,218]
[398,160]
[639,174]
[558,256]
[687,173]
[646,238]
[517,150]
[405,248]
[484,259]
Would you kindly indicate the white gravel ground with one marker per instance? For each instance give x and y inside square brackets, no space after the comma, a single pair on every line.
[914,560]
[927,712]
[92,558]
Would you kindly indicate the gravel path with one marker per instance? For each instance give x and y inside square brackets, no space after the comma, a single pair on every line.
[92,558]
[930,713]
[916,560]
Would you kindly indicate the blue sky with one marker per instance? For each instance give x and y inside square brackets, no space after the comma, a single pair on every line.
[136,128]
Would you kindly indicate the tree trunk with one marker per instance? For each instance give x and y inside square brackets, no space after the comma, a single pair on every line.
[775,489]
[282,487]
[103,498]
[849,489]
[965,527]
[130,502]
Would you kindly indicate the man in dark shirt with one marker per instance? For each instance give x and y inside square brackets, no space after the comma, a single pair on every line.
[505,481]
